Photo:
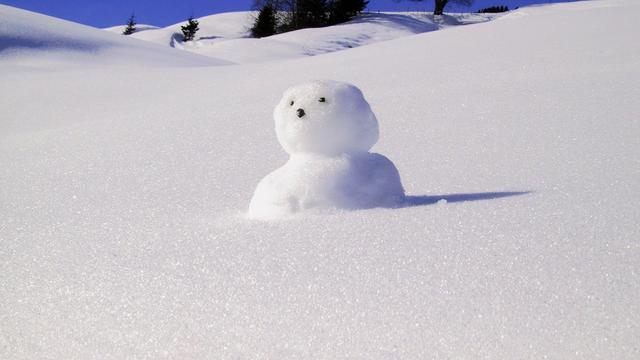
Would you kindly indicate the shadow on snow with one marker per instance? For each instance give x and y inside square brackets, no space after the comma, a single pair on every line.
[411,201]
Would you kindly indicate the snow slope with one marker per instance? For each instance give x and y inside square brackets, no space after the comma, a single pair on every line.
[213,28]
[227,36]
[30,39]
[122,193]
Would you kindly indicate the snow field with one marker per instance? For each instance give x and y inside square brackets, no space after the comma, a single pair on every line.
[122,191]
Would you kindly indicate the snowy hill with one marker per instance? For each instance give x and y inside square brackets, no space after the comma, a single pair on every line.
[123,192]
[30,39]
[214,27]
[226,36]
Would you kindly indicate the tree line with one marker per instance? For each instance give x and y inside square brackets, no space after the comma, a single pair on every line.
[494,9]
[278,16]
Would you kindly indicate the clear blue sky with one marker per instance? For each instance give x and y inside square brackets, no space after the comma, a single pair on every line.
[104,13]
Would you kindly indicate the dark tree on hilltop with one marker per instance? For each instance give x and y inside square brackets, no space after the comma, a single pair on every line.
[297,14]
[440,4]
[265,24]
[310,13]
[131,26]
[190,29]
[494,9]
[345,10]
[288,15]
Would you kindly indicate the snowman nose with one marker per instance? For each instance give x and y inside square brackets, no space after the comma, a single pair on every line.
[301,113]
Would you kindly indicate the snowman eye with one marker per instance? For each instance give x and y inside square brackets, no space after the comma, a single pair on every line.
[291,103]
[322,99]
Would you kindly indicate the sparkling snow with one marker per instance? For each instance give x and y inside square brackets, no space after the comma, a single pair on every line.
[122,190]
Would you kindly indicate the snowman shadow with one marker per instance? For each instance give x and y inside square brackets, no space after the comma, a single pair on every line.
[423,200]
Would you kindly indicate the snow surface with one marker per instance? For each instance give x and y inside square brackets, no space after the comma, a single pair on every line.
[122,191]
[227,36]
[30,39]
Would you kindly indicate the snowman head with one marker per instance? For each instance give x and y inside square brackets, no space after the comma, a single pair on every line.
[325,117]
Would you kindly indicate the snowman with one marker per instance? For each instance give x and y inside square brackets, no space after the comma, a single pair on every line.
[327,128]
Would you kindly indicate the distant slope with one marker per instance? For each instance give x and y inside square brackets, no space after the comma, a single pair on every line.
[28,38]
[213,28]
[226,36]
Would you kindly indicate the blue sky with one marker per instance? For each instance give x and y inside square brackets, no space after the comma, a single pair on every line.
[104,13]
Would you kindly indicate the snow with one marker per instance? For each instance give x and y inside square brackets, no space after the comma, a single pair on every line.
[227,36]
[325,117]
[34,40]
[320,183]
[122,190]
[212,30]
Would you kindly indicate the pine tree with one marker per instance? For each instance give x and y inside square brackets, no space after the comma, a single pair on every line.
[345,10]
[190,29]
[288,15]
[131,26]
[310,13]
[265,24]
